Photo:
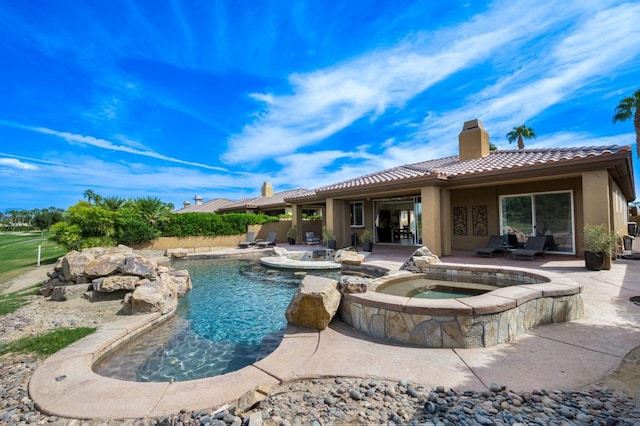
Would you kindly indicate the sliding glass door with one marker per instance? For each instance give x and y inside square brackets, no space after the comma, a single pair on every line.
[546,213]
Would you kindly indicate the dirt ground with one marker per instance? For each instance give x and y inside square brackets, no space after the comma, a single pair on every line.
[42,315]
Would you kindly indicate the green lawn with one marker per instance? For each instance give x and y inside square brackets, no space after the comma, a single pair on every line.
[46,344]
[19,252]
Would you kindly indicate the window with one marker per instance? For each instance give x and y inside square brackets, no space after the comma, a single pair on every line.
[357,214]
[549,214]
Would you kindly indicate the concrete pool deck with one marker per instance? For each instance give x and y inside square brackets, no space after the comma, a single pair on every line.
[565,355]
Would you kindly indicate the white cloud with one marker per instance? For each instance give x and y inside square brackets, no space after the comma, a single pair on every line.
[108,145]
[17,164]
[595,46]
[326,101]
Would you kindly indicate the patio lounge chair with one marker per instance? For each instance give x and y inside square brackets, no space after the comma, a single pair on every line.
[312,239]
[270,241]
[533,247]
[249,240]
[495,245]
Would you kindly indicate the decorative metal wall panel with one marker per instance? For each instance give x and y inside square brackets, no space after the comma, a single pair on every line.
[480,221]
[460,221]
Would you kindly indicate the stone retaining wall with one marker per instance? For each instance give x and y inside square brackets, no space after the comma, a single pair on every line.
[479,321]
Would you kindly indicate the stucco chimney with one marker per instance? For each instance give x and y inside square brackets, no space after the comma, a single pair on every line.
[198,200]
[473,140]
[267,189]
[186,203]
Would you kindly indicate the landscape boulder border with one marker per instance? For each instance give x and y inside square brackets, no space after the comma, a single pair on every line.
[110,273]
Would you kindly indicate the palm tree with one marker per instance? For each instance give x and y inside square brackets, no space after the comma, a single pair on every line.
[152,210]
[89,195]
[627,108]
[112,203]
[520,133]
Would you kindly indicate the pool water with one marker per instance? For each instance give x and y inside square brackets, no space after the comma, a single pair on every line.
[445,293]
[427,288]
[232,317]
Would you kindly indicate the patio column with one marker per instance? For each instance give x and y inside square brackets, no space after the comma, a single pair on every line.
[431,219]
[446,221]
[337,219]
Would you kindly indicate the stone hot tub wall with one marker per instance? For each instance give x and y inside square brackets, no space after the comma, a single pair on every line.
[485,320]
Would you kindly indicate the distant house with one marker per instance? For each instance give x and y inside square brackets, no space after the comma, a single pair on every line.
[212,206]
[458,202]
[269,203]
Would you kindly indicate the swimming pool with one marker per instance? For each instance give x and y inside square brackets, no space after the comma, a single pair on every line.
[232,317]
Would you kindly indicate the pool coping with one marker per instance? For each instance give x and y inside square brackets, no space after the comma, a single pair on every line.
[65,384]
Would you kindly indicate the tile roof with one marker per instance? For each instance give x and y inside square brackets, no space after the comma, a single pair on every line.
[210,206]
[451,167]
[278,199]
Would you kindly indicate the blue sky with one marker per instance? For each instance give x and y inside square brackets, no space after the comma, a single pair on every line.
[173,99]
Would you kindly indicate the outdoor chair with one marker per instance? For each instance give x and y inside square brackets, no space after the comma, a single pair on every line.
[512,240]
[533,247]
[248,241]
[312,239]
[495,245]
[270,241]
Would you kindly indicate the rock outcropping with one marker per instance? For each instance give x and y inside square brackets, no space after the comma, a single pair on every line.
[421,258]
[107,273]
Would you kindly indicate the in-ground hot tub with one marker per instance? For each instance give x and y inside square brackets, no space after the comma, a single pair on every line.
[513,301]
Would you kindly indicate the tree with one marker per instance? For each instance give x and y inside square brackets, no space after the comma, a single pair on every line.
[89,195]
[520,133]
[112,203]
[152,210]
[627,108]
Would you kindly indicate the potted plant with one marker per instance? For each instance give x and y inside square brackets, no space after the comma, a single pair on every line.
[328,238]
[598,246]
[367,240]
[292,234]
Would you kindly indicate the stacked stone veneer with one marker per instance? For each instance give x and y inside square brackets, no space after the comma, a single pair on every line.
[485,320]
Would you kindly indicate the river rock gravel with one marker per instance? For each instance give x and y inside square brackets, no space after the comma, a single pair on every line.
[361,401]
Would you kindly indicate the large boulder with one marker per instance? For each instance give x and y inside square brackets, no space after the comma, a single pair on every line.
[348,257]
[115,282]
[152,296]
[66,292]
[140,266]
[47,289]
[419,260]
[315,303]
[179,282]
[74,264]
[176,252]
[351,284]
[105,265]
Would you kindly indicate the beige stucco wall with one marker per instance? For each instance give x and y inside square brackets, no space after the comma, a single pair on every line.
[202,244]
[475,197]
[489,196]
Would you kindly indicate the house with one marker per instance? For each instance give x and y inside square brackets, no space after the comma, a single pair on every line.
[456,203]
[269,202]
[211,206]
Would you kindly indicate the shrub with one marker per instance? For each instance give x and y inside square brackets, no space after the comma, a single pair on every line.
[133,230]
[598,239]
